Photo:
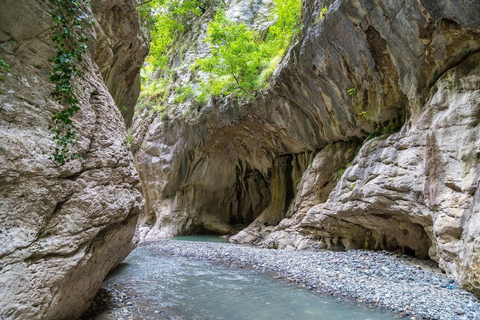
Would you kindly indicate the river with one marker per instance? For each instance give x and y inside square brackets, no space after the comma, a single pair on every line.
[175,287]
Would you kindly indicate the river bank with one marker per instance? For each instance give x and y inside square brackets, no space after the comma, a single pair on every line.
[409,286]
[414,289]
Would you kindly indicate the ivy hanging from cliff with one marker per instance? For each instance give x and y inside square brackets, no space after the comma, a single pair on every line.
[70,40]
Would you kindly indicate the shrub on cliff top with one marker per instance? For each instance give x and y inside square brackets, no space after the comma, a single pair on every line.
[163,18]
[236,57]
[241,62]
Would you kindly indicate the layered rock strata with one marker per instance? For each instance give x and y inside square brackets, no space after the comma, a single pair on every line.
[275,161]
[415,190]
[63,228]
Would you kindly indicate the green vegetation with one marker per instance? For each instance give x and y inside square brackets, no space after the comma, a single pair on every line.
[236,58]
[4,68]
[321,15]
[241,61]
[363,112]
[323,12]
[389,127]
[352,92]
[153,92]
[163,18]
[130,138]
[69,20]
[297,181]
[286,27]
[338,175]
[183,93]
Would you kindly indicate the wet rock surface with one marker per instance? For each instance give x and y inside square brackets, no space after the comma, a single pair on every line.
[108,298]
[414,288]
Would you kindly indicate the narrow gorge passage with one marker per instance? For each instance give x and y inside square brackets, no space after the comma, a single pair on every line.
[334,145]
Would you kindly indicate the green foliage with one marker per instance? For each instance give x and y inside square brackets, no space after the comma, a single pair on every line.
[392,126]
[183,94]
[361,110]
[159,108]
[380,129]
[240,63]
[267,72]
[164,116]
[153,91]
[323,12]
[163,18]
[4,68]
[286,27]
[70,41]
[236,57]
[297,181]
[338,175]
[321,15]
[352,92]
[130,139]
[240,60]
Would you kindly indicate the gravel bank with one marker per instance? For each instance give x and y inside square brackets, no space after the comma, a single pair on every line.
[411,287]
[108,298]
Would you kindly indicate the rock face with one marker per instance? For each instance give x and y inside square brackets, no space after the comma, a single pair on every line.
[415,190]
[63,228]
[120,51]
[284,162]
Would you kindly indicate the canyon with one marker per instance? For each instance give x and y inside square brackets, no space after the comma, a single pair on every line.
[367,137]
[302,166]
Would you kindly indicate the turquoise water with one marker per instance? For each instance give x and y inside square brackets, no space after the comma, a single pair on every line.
[170,287]
[205,238]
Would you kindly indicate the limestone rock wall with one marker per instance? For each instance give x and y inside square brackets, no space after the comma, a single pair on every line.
[415,190]
[63,228]
[412,65]
[315,185]
[120,51]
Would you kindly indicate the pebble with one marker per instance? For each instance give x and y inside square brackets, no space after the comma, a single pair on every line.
[398,283]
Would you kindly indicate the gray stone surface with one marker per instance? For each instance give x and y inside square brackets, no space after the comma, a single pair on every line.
[235,163]
[119,52]
[413,288]
[415,190]
[62,228]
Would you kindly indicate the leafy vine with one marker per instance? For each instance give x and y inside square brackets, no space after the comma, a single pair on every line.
[70,40]
[4,68]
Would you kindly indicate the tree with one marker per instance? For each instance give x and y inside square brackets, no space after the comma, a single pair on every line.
[236,57]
